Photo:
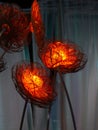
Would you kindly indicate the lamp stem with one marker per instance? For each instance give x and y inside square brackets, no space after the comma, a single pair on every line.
[23,114]
[30,47]
[48,121]
[5,52]
[2,55]
[69,101]
[2,31]
[52,77]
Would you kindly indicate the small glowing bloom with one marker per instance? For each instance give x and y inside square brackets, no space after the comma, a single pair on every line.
[66,57]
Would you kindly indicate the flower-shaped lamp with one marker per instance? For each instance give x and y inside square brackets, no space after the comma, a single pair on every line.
[33,83]
[37,24]
[13,27]
[66,56]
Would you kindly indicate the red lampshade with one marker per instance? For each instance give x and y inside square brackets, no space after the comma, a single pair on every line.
[66,57]
[15,23]
[33,83]
[37,24]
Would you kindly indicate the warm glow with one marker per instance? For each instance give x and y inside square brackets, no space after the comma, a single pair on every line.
[37,23]
[31,27]
[31,81]
[37,80]
[58,54]
[36,12]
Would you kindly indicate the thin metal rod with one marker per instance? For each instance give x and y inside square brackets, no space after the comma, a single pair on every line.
[31,56]
[33,118]
[2,55]
[53,78]
[23,115]
[48,120]
[2,31]
[69,101]
[31,60]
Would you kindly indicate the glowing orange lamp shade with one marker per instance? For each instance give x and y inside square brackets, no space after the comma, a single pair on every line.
[31,27]
[37,24]
[14,23]
[66,56]
[33,83]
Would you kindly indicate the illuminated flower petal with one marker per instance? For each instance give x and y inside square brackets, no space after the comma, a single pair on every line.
[15,23]
[31,27]
[66,57]
[33,83]
[37,24]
